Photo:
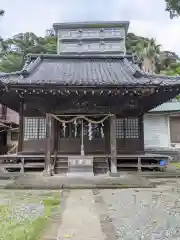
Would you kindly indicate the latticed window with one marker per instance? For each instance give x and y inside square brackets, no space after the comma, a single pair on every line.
[127,128]
[42,128]
[131,128]
[120,128]
[34,128]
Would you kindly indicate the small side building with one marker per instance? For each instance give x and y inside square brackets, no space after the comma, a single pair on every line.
[162,126]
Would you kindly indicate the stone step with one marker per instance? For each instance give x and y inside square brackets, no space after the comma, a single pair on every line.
[80,165]
[80,169]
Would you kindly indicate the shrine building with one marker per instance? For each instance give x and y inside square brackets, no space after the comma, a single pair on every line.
[85,105]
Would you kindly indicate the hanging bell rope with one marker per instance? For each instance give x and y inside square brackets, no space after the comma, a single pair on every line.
[80,117]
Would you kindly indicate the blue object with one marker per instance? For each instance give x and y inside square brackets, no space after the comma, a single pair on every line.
[163,163]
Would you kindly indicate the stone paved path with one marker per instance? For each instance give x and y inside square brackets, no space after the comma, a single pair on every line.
[80,220]
[121,214]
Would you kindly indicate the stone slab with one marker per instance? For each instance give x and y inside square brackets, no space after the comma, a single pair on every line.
[80,174]
[80,217]
[81,165]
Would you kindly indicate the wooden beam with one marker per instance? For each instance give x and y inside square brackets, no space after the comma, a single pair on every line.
[113,143]
[141,131]
[48,148]
[53,147]
[21,127]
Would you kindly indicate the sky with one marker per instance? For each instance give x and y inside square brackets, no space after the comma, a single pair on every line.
[147,18]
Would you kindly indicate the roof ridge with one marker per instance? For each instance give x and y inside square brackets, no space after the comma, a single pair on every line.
[31,67]
[136,72]
[78,56]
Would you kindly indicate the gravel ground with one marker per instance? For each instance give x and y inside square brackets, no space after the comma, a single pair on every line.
[141,213]
[23,205]
[124,214]
[26,211]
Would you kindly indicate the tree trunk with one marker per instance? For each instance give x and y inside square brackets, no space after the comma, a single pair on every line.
[148,65]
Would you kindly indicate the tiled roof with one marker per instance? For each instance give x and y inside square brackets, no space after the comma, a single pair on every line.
[167,107]
[85,71]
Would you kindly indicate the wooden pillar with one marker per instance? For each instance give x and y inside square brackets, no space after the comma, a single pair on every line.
[54,152]
[56,135]
[22,165]
[82,137]
[21,126]
[141,133]
[113,144]
[139,164]
[53,134]
[48,147]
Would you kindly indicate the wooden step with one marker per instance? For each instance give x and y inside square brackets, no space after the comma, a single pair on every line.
[11,165]
[61,167]
[34,165]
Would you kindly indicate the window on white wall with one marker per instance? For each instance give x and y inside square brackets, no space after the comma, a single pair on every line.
[34,128]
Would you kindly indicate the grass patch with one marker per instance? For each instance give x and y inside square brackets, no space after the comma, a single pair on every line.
[175,164]
[28,229]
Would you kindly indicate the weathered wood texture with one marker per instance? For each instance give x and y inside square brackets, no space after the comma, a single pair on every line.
[48,145]
[96,145]
[21,127]
[69,145]
[141,132]
[113,143]
[131,138]
[34,145]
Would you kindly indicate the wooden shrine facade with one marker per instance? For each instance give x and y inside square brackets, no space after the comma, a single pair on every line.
[86,135]
[83,105]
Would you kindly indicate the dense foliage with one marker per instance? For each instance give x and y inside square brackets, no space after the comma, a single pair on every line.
[13,51]
[144,47]
[173,7]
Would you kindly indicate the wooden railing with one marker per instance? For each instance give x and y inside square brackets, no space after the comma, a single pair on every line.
[13,149]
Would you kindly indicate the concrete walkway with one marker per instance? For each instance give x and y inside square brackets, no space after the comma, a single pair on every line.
[80,220]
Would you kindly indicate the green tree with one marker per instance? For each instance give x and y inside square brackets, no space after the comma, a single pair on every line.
[50,44]
[11,62]
[15,49]
[172,70]
[135,43]
[148,52]
[1,40]
[133,40]
[168,58]
[173,7]
[24,43]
